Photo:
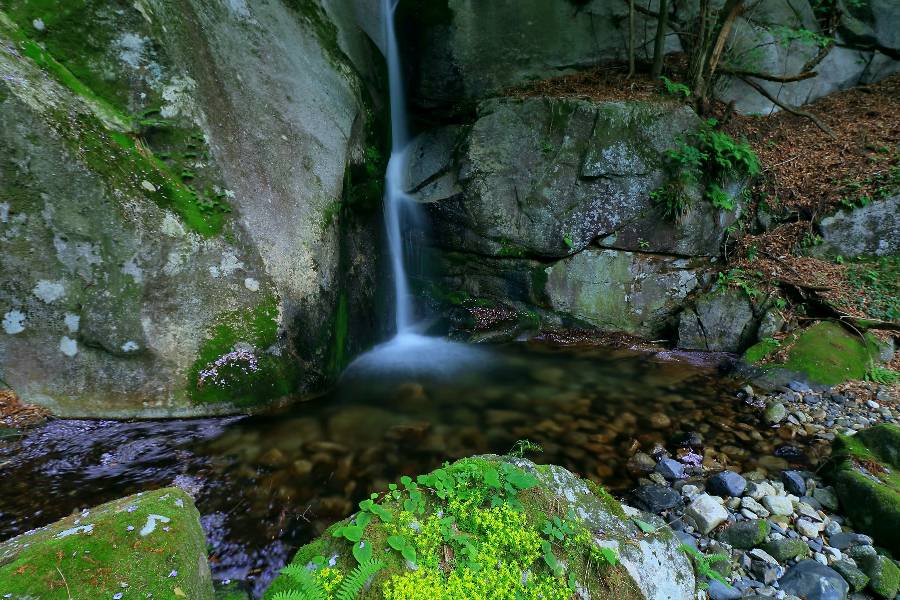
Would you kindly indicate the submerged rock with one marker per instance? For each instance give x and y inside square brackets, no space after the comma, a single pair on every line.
[151,543]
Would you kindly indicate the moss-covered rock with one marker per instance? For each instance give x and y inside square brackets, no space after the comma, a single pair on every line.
[492,527]
[147,545]
[866,473]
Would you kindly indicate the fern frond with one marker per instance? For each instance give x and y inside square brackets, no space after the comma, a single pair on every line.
[289,595]
[310,588]
[354,582]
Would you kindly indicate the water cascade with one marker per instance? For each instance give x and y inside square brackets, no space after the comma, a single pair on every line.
[408,351]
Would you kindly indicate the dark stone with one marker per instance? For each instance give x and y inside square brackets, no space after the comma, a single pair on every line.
[690,439]
[812,502]
[719,591]
[791,453]
[799,386]
[670,469]
[852,575]
[657,498]
[726,483]
[842,540]
[811,580]
[815,545]
[745,535]
[794,483]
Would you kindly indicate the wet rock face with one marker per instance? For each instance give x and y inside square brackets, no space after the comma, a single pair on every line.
[545,203]
[722,321]
[154,223]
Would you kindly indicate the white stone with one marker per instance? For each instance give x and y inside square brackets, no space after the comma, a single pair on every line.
[757,490]
[49,291]
[73,322]
[130,346]
[14,322]
[808,528]
[778,505]
[707,513]
[148,186]
[230,264]
[38,24]
[68,346]
[762,555]
[4,212]
[752,505]
[251,284]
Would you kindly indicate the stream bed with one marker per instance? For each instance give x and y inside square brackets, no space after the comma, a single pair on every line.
[269,483]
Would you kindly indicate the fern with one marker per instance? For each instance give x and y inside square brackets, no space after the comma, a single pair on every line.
[289,595]
[354,582]
[310,588]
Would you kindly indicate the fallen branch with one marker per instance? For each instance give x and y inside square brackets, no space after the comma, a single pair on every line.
[791,109]
[768,76]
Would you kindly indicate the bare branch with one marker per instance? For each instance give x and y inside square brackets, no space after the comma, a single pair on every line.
[768,76]
[791,109]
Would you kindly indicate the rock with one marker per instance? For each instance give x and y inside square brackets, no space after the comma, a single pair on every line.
[870,499]
[757,489]
[808,528]
[851,574]
[794,483]
[726,483]
[121,537]
[811,580]
[641,462]
[748,503]
[136,269]
[842,541]
[707,513]
[872,230]
[884,575]
[721,321]
[827,353]
[656,498]
[720,591]
[778,505]
[670,469]
[775,413]
[861,553]
[826,497]
[654,568]
[786,549]
[745,535]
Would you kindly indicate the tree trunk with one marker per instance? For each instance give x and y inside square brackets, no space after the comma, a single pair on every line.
[712,53]
[630,38]
[659,47]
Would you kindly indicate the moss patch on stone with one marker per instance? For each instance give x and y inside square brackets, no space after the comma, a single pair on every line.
[866,473]
[827,353]
[236,364]
[761,350]
[479,528]
[149,544]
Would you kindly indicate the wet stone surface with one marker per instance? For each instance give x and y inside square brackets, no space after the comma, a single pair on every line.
[269,483]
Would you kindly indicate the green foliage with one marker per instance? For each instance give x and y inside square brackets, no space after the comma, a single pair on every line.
[703,563]
[882,375]
[356,580]
[322,584]
[676,89]
[309,586]
[644,526]
[788,35]
[704,159]
[567,240]
[740,279]
[877,286]
[524,447]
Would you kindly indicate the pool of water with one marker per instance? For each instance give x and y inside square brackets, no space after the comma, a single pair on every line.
[266,484]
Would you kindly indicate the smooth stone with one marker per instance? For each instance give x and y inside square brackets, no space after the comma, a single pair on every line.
[719,591]
[826,497]
[726,483]
[775,413]
[851,574]
[641,462]
[811,580]
[758,489]
[778,505]
[793,483]
[764,556]
[842,541]
[884,575]
[670,469]
[755,507]
[808,528]
[707,513]
[746,534]
[657,498]
[786,549]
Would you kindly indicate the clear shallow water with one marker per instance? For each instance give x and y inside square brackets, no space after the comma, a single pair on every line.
[267,484]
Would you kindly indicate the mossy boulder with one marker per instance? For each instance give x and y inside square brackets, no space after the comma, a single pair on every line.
[491,527]
[864,468]
[146,545]
[825,353]
[152,207]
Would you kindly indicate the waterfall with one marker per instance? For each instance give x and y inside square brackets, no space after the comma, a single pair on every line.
[408,351]
[396,202]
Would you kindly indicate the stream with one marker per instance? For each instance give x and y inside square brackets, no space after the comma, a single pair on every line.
[269,483]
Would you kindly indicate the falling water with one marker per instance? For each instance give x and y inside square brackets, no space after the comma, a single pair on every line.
[396,202]
[408,351]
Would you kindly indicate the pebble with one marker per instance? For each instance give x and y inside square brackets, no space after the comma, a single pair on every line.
[670,469]
[707,513]
[808,528]
[778,505]
[794,483]
[726,483]
[748,503]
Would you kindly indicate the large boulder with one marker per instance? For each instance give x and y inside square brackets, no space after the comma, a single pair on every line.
[182,193]
[490,526]
[865,472]
[149,545]
[872,230]
[459,50]
[718,321]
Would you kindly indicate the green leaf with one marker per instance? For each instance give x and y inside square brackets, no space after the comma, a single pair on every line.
[609,555]
[397,542]
[644,526]
[409,553]
[362,551]
[492,477]
[352,532]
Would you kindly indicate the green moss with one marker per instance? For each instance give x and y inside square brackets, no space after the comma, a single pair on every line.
[236,381]
[610,503]
[761,350]
[314,15]
[112,549]
[829,354]
[341,331]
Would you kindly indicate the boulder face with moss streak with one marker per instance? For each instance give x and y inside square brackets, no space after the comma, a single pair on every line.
[183,191]
[489,526]
[866,473]
[149,544]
